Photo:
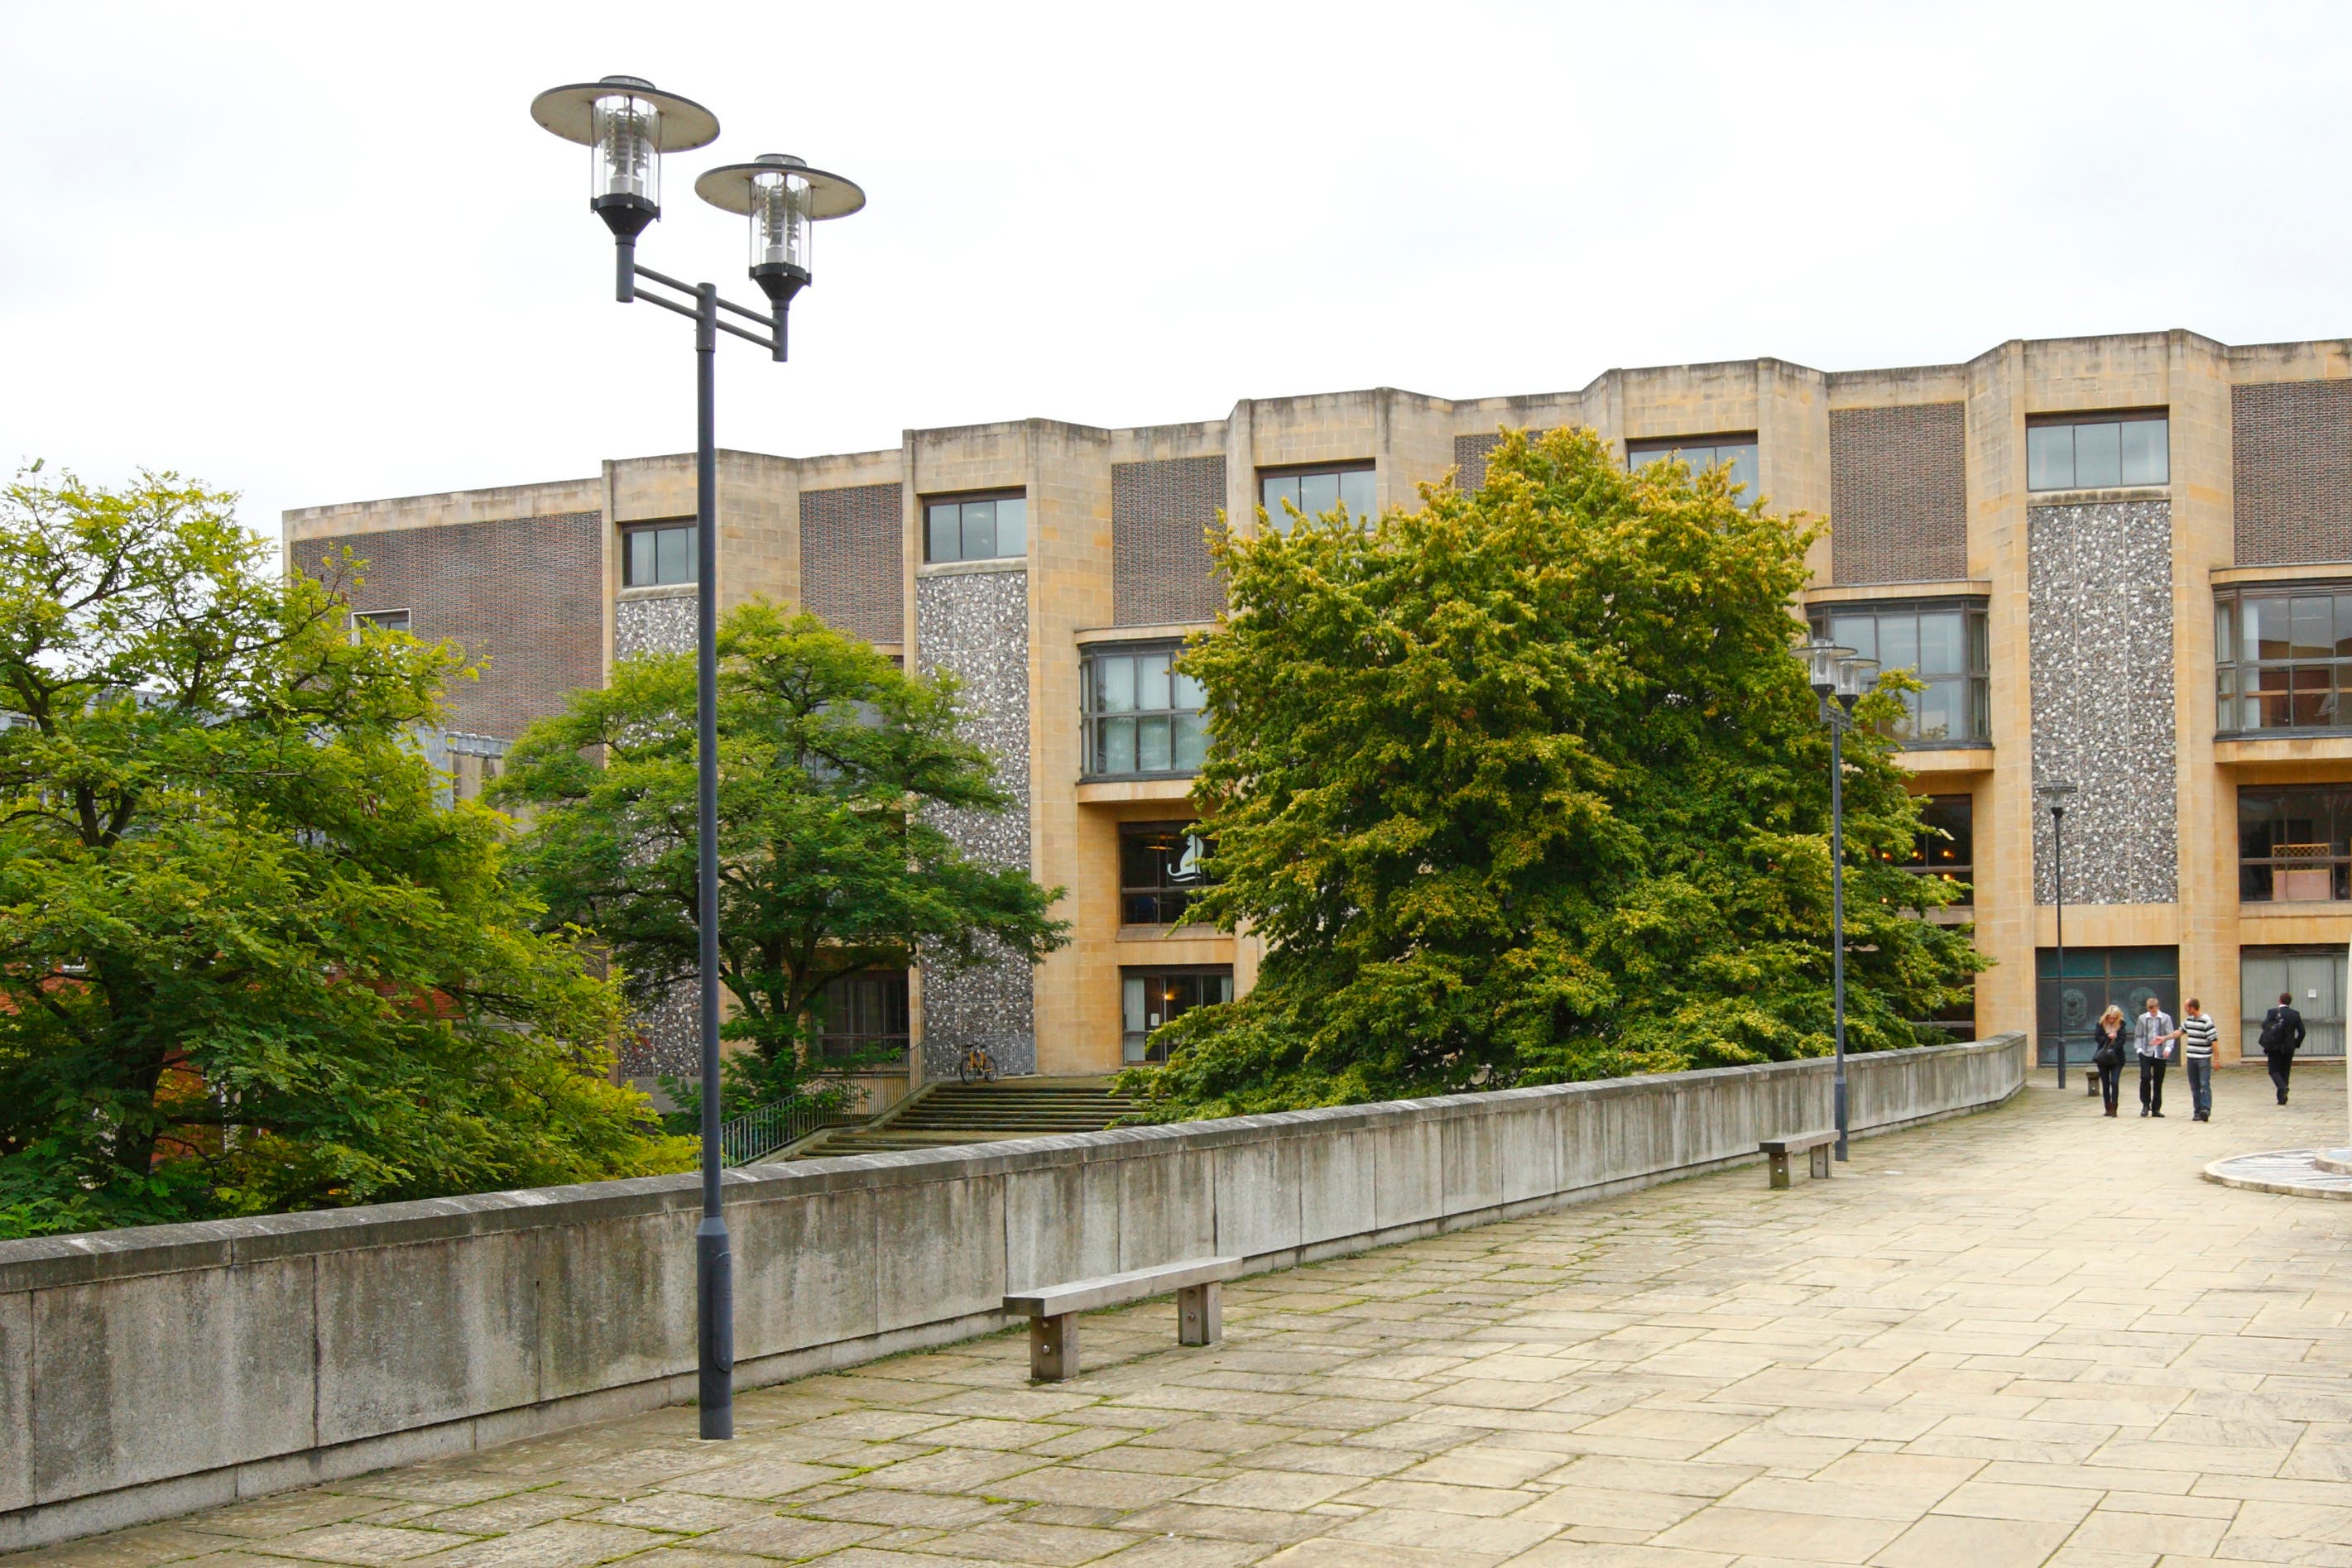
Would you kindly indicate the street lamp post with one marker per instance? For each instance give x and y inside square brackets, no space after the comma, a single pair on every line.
[626,124]
[1837,676]
[2057,793]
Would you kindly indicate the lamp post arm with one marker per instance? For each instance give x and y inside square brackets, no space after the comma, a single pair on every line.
[693,312]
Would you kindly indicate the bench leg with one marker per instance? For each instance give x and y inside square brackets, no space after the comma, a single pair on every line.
[1200,1313]
[1054,1347]
[1780,1169]
[1820,1153]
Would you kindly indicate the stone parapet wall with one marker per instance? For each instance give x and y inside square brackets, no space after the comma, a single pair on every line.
[148,1373]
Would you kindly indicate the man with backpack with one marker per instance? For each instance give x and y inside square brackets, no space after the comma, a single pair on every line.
[2281,1033]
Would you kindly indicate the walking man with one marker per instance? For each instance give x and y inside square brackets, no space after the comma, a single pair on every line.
[2152,1036]
[2281,1033]
[2197,1034]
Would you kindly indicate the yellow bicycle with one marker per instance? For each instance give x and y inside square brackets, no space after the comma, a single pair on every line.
[976,1065]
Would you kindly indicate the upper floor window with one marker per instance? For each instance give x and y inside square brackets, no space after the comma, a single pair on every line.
[976,527]
[1947,846]
[865,1018]
[2295,844]
[1314,491]
[657,554]
[1737,453]
[2098,453]
[1942,642]
[1160,872]
[2282,656]
[384,619]
[1141,717]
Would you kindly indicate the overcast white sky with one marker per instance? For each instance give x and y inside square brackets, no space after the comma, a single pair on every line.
[319,253]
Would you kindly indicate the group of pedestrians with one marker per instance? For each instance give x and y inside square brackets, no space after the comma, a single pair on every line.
[2153,1036]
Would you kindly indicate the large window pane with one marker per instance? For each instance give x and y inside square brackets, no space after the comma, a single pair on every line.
[1939,644]
[1898,642]
[1191,742]
[1117,688]
[674,555]
[1150,682]
[1186,692]
[978,530]
[1941,713]
[2049,457]
[2271,625]
[642,572]
[1115,747]
[1013,526]
[1152,751]
[2098,456]
[946,541]
[1277,488]
[1356,492]
[1318,493]
[1859,632]
[2311,628]
[1742,463]
[2145,459]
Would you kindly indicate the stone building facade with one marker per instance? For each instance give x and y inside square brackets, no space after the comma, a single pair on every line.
[2123,563]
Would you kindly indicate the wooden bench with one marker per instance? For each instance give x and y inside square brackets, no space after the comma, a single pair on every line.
[1778,1150]
[1054,1310]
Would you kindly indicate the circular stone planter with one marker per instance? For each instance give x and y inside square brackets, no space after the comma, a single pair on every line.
[2296,1173]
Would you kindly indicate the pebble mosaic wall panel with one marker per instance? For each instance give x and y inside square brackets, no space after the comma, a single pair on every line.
[1898,494]
[977,624]
[2099,590]
[663,625]
[1160,516]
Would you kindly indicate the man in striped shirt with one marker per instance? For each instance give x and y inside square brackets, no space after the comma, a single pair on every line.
[2197,1034]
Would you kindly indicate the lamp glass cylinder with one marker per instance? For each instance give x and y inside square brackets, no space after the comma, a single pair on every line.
[1821,656]
[1852,674]
[780,227]
[624,156]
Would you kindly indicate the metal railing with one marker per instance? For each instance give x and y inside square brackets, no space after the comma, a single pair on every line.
[771,1128]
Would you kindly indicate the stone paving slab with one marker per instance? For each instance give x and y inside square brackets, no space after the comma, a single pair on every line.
[2033,1336]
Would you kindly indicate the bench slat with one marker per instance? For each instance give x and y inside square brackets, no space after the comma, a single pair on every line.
[1110,1289]
[1798,1144]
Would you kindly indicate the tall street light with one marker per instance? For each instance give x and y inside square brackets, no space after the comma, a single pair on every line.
[1839,676]
[626,125]
[2057,793]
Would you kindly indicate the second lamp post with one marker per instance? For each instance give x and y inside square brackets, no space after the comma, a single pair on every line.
[1838,678]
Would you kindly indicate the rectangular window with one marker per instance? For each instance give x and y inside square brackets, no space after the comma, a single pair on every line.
[2294,846]
[1737,453]
[1149,997]
[1942,642]
[2101,452]
[2283,658]
[384,620]
[1312,492]
[1142,719]
[1160,872]
[657,555]
[976,527]
[865,1018]
[1947,847]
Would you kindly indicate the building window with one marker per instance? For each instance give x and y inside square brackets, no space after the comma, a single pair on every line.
[976,527]
[2098,453]
[383,620]
[2294,846]
[1142,719]
[865,1018]
[1153,997]
[1160,872]
[2283,658]
[1947,846]
[657,555]
[1942,642]
[1737,453]
[1314,491]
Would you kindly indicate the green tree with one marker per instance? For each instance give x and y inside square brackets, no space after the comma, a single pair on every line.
[836,771]
[246,962]
[1524,786]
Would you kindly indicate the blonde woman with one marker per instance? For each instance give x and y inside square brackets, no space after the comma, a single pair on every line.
[2107,1053]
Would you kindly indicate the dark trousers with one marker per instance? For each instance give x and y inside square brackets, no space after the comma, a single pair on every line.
[2111,1083]
[2281,1063]
[2151,1084]
[2200,1087]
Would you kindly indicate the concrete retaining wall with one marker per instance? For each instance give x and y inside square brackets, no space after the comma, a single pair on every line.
[147,1372]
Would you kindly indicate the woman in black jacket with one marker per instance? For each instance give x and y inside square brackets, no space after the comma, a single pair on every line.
[2107,1042]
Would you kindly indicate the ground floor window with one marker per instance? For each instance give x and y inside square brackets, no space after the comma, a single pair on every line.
[2314,976]
[1152,997]
[2294,846]
[2067,1007]
[865,1018]
[1947,848]
[1957,1020]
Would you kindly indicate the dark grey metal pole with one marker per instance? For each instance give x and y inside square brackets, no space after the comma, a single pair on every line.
[1837,908]
[714,1267]
[2058,863]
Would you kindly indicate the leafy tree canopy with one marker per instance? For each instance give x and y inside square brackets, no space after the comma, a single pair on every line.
[247,963]
[1524,786]
[836,771]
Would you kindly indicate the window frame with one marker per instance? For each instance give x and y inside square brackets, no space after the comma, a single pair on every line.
[2240,689]
[1135,1048]
[1974,681]
[1092,717]
[656,527]
[960,500]
[853,1047]
[2036,423]
[1279,519]
[378,618]
[2332,863]
[1162,890]
[1961,870]
[1642,451]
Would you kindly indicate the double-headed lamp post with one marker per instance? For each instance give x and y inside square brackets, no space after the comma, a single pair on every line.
[1839,676]
[2057,793]
[626,124]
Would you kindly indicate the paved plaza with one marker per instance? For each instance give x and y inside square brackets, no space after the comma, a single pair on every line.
[2034,1336]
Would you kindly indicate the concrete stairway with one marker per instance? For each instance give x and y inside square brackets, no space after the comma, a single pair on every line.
[982,1113]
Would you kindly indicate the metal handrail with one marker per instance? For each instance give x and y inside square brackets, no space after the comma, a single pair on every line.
[764,1131]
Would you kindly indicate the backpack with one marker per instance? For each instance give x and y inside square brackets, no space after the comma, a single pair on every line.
[2273,1029]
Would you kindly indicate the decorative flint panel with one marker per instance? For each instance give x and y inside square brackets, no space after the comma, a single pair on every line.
[1161,515]
[2099,587]
[664,625]
[977,624]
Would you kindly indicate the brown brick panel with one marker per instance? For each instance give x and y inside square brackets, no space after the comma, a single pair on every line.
[2291,460]
[1899,493]
[1470,460]
[523,596]
[1160,516]
[851,559]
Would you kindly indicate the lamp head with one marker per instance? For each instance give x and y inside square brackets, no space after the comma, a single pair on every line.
[2057,793]
[626,124]
[1854,676]
[784,199]
[1821,657]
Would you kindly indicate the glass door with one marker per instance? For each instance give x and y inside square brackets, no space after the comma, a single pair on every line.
[2312,976]
[2068,1007]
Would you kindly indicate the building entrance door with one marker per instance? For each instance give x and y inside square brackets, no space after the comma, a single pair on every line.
[2068,1007]
[2312,976]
